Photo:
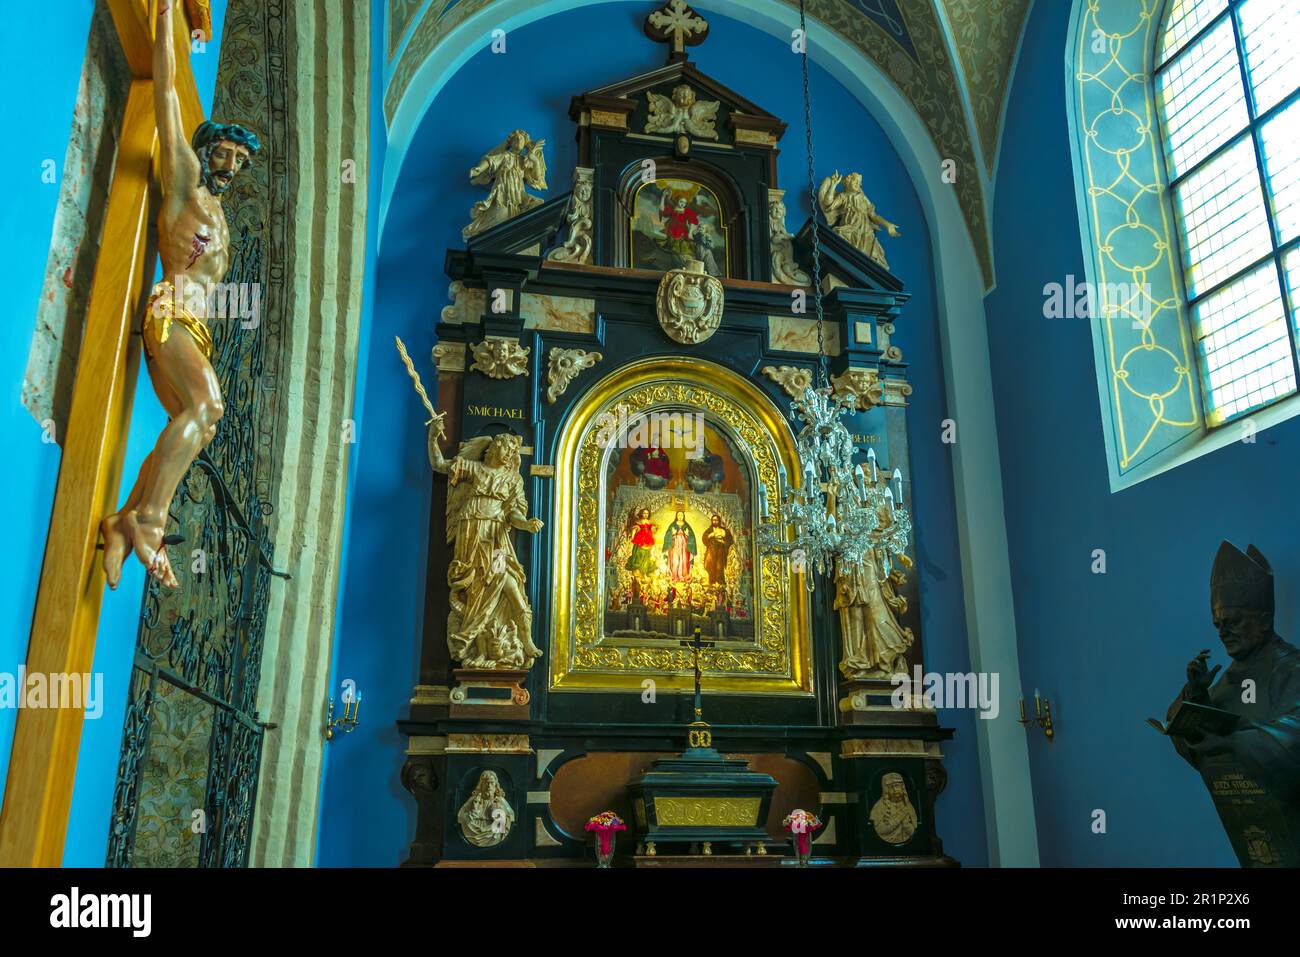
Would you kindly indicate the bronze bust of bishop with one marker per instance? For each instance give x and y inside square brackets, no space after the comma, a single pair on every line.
[1252,768]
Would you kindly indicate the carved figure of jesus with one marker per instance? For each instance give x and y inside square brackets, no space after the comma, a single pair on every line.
[194,246]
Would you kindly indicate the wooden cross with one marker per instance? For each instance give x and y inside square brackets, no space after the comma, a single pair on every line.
[678,24]
[38,789]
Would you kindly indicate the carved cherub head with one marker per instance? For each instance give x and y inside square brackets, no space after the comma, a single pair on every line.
[683,97]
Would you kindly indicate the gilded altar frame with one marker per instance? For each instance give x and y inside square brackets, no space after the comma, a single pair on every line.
[583,658]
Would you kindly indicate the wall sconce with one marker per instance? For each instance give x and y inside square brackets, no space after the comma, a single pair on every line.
[351,709]
[1043,715]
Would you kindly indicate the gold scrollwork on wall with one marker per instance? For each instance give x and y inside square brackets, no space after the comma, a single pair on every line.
[777,659]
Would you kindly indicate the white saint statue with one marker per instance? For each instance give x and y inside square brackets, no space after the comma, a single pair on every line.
[893,816]
[491,621]
[486,816]
[517,162]
[875,645]
[853,216]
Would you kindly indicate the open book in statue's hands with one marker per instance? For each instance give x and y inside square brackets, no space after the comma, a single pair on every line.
[1192,721]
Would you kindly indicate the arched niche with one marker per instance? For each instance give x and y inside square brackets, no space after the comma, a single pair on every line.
[587,654]
[733,217]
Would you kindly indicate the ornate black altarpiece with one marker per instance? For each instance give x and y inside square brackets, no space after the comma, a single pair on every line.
[643,336]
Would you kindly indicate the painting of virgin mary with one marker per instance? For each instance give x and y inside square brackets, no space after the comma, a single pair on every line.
[679,548]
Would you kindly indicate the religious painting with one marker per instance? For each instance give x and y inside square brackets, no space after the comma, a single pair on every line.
[657,536]
[676,220]
[679,501]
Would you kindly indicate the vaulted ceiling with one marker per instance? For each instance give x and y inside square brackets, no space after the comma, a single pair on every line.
[960,98]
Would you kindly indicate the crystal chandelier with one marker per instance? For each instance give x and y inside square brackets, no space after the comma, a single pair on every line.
[836,513]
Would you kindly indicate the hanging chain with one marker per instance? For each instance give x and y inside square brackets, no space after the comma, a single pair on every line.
[823,375]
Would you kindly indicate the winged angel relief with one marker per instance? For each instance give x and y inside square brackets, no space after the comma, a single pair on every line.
[516,163]
[682,113]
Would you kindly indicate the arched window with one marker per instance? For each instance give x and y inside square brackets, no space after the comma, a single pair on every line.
[1185,118]
[1226,84]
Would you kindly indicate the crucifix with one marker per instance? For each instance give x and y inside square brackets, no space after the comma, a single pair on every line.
[698,735]
[699,704]
[38,797]
[677,24]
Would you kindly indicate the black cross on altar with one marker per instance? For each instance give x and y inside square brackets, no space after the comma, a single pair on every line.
[699,704]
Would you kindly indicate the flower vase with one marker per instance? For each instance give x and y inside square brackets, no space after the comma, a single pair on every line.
[802,847]
[604,848]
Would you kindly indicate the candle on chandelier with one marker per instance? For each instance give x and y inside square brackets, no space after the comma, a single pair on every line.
[898,480]
[871,457]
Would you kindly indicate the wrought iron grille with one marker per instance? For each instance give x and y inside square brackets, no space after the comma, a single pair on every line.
[192,741]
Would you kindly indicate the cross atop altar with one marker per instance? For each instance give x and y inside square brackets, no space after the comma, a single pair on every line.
[677,24]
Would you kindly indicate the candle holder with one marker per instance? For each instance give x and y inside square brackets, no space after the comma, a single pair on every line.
[351,711]
[1042,715]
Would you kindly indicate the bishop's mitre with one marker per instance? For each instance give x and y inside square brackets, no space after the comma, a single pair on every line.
[1241,579]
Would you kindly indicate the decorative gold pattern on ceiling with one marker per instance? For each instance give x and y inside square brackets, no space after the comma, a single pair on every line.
[986,34]
[400,15]
[906,38]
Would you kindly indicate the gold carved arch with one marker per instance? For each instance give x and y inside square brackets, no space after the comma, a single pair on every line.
[778,658]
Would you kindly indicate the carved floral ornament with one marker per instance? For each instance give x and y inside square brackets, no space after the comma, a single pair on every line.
[793,379]
[865,384]
[563,366]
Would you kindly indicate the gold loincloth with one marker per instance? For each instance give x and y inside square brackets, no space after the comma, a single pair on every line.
[162,311]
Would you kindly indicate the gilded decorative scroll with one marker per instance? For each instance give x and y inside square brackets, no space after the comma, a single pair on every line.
[706,811]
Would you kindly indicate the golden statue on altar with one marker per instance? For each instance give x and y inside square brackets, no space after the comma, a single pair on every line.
[491,621]
[852,215]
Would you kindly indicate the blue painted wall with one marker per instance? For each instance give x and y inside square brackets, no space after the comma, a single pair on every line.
[1108,649]
[367,818]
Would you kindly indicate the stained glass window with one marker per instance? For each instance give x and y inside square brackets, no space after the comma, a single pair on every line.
[1227,90]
